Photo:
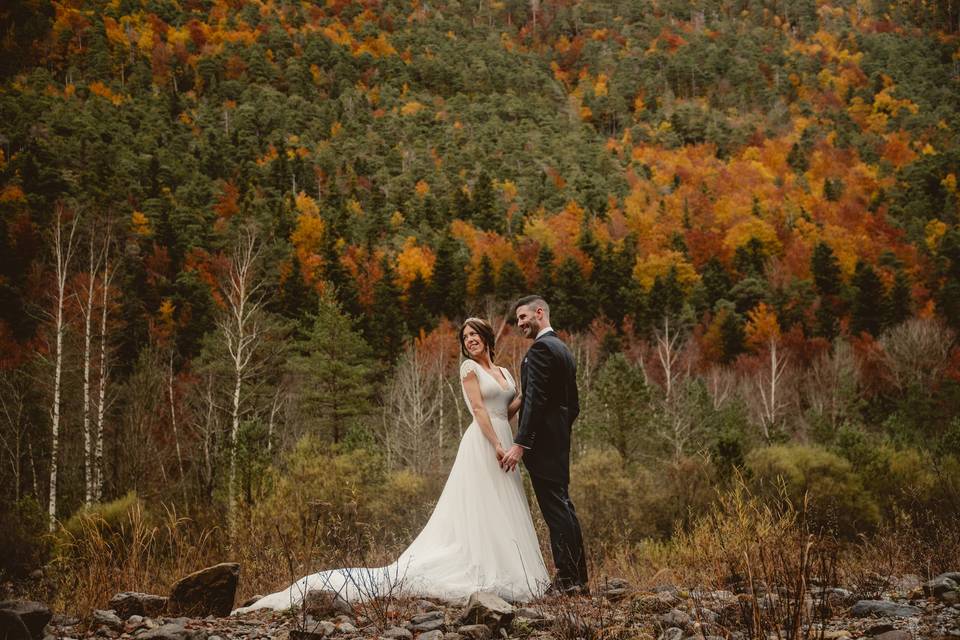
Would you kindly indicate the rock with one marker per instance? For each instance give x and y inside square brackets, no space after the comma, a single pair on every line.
[324,627]
[675,618]
[475,632]
[941,584]
[671,634]
[209,591]
[877,629]
[435,624]
[452,635]
[32,615]
[898,634]
[615,589]
[487,608]
[171,631]
[428,616]
[346,628]
[108,619]
[12,627]
[132,603]
[650,604]
[427,605]
[431,635]
[836,635]
[866,608]
[397,633]
[909,582]
[528,612]
[324,603]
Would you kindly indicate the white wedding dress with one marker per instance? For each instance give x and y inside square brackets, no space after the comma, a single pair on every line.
[480,536]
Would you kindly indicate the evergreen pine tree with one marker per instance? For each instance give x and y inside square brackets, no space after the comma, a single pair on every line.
[447,291]
[827,280]
[900,303]
[869,300]
[485,212]
[386,328]
[571,301]
[948,297]
[336,371]
[417,315]
[666,298]
[545,271]
[511,283]
[296,299]
[826,270]
[716,282]
[750,258]
[486,279]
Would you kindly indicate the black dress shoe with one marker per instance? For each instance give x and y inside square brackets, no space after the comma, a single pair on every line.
[560,588]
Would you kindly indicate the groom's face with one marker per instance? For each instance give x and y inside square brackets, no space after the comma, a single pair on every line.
[529,321]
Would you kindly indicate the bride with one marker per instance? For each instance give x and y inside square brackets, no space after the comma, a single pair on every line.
[480,536]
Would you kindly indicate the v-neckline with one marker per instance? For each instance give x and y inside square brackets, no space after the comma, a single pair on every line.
[502,388]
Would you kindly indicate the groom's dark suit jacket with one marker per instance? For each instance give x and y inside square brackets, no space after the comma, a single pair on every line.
[548,377]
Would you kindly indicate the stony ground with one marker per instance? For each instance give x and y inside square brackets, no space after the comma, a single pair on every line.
[908,609]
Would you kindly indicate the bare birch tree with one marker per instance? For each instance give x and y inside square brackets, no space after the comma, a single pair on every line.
[13,430]
[63,246]
[412,406]
[241,327]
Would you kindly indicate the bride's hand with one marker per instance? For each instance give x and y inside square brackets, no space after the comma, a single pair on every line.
[500,452]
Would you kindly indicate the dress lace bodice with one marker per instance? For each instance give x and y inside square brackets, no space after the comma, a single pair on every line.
[496,398]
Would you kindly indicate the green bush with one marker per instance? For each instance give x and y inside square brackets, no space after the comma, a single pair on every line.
[348,497]
[23,537]
[110,522]
[619,504]
[836,498]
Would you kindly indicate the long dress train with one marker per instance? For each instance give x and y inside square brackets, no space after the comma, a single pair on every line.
[479,537]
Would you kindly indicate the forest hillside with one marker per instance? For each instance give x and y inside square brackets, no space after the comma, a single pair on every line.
[237,237]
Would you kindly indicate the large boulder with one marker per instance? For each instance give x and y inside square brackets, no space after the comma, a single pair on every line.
[132,603]
[942,584]
[33,616]
[206,592]
[12,627]
[487,608]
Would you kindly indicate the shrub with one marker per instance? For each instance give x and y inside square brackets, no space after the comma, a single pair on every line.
[836,497]
[23,536]
[109,521]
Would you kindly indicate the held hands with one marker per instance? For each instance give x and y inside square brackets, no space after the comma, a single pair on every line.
[500,453]
[510,459]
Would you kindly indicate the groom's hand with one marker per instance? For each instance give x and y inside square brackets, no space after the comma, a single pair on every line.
[512,457]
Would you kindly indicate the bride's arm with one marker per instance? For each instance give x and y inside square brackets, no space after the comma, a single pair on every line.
[515,406]
[517,400]
[472,388]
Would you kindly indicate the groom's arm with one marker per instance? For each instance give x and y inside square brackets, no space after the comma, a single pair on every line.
[534,394]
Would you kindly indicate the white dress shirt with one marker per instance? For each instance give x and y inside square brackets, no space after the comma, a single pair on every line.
[543,331]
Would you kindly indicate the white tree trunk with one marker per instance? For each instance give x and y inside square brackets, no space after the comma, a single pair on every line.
[241,330]
[88,440]
[63,252]
[173,423]
[104,372]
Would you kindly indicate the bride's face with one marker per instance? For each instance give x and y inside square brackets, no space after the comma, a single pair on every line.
[473,342]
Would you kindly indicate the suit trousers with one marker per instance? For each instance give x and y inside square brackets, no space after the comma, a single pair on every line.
[566,539]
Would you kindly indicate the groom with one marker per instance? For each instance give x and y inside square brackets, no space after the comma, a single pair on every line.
[548,377]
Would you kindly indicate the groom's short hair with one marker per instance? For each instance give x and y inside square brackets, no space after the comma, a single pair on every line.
[533,300]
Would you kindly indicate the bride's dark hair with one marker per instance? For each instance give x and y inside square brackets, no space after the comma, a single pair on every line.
[483,329]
